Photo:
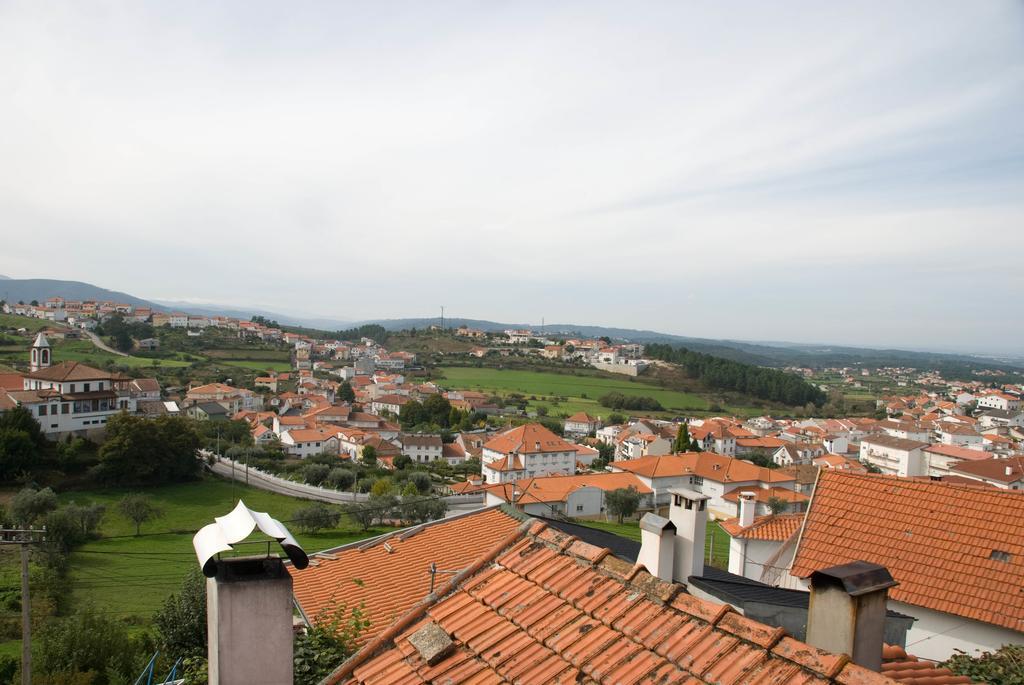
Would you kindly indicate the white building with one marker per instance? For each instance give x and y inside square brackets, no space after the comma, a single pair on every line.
[524,452]
[422,449]
[895,456]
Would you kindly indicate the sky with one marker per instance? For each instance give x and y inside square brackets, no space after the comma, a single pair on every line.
[848,173]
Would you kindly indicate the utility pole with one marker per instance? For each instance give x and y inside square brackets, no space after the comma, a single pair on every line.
[23,538]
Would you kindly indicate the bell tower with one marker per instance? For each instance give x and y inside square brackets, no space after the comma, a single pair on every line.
[39,357]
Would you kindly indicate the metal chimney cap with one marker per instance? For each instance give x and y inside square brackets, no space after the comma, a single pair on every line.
[226,531]
[856,578]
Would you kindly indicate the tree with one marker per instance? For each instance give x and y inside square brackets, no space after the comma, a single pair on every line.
[87,517]
[362,513]
[421,480]
[777,505]
[370,455]
[89,646]
[622,502]
[341,479]
[21,442]
[682,443]
[138,509]
[330,640]
[181,621]
[346,393]
[615,419]
[1005,666]
[383,486]
[315,474]
[402,462]
[141,451]
[316,517]
[29,505]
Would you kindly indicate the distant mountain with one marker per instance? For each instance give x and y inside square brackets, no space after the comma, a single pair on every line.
[777,354]
[326,324]
[28,289]
[4,278]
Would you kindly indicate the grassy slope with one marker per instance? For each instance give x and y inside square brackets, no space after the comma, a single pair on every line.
[503,381]
[130,575]
[26,322]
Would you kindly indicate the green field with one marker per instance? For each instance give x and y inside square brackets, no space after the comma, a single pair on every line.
[27,322]
[131,576]
[573,388]
[83,351]
[716,544]
[257,365]
[236,354]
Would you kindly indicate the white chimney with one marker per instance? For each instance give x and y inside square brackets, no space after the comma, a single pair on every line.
[747,507]
[847,611]
[657,546]
[688,513]
[1009,470]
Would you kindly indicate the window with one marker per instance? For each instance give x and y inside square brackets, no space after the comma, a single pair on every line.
[1000,555]
[85,387]
[72,388]
[42,410]
[579,507]
[64,408]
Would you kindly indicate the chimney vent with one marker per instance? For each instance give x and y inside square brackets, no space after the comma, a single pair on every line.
[847,611]
[747,507]
[688,513]
[657,546]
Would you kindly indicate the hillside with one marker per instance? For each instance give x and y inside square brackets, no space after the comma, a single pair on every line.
[774,354]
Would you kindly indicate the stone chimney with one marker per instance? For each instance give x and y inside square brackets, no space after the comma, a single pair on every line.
[249,622]
[747,507]
[688,513]
[847,611]
[657,546]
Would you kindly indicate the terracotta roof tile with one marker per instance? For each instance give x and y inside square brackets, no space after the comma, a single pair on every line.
[543,612]
[531,438]
[777,527]
[952,548]
[350,575]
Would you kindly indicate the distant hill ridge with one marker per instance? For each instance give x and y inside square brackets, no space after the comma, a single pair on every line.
[777,354]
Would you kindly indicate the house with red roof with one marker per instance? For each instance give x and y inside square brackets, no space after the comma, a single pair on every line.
[524,452]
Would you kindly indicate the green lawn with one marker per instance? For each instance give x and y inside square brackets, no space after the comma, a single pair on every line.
[540,383]
[716,546]
[27,322]
[87,353]
[131,576]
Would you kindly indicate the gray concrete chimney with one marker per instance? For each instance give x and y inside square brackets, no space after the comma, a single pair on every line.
[847,611]
[688,513]
[657,546]
[249,621]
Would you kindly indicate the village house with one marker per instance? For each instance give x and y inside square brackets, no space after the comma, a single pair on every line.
[307,442]
[950,547]
[524,452]
[581,424]
[714,475]
[895,456]
[1007,474]
[797,453]
[422,449]
[580,496]
[999,400]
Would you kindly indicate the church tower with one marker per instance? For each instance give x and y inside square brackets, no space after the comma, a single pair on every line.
[40,355]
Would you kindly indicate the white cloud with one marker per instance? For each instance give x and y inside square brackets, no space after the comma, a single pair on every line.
[602,163]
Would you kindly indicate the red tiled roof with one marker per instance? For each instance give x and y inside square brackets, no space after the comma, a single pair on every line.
[354,575]
[548,608]
[531,438]
[11,381]
[710,465]
[68,371]
[958,452]
[898,665]
[777,527]
[764,494]
[952,548]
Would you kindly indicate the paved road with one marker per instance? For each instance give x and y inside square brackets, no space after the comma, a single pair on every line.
[102,345]
[264,481]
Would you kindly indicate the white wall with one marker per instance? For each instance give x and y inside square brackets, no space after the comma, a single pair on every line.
[935,635]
